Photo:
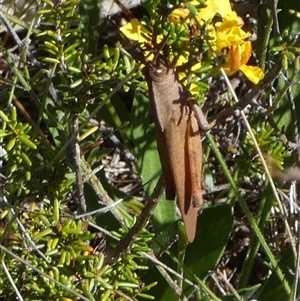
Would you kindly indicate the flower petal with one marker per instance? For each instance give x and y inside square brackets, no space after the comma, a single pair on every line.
[177,14]
[135,31]
[213,6]
[246,50]
[254,74]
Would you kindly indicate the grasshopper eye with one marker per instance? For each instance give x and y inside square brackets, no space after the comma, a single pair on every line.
[158,72]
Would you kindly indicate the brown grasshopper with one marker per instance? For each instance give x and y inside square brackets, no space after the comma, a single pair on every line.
[179,122]
[178,139]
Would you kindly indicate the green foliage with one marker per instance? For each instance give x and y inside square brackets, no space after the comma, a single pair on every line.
[269,144]
[69,260]
[40,173]
[20,149]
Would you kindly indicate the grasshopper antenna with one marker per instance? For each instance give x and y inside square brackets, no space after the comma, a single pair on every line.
[161,46]
[128,46]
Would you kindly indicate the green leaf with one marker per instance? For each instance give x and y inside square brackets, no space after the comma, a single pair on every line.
[164,214]
[273,289]
[149,166]
[143,134]
[213,230]
[25,139]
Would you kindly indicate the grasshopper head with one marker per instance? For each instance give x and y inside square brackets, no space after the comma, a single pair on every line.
[159,69]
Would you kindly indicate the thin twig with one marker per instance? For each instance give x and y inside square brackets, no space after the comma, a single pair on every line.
[21,44]
[247,99]
[23,230]
[10,279]
[78,172]
[103,196]
[127,241]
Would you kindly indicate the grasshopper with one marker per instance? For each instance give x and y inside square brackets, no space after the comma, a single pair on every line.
[178,139]
[179,123]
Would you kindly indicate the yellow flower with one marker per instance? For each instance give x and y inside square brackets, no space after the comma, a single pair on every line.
[181,75]
[229,32]
[183,60]
[177,14]
[135,31]
[238,57]
[254,74]
[213,6]
[230,36]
